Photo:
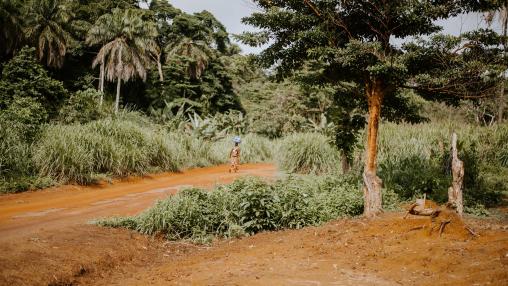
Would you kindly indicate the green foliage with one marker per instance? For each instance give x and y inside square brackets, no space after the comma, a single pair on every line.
[26,114]
[82,107]
[78,153]
[128,144]
[47,28]
[14,151]
[307,153]
[10,27]
[441,73]
[17,170]
[246,206]
[415,159]
[24,77]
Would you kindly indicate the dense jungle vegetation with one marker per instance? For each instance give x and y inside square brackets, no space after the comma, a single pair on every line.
[91,90]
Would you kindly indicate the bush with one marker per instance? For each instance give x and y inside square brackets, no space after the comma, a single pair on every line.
[23,76]
[82,106]
[26,115]
[248,205]
[307,153]
[415,159]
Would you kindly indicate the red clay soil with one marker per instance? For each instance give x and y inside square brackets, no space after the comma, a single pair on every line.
[54,208]
[381,251]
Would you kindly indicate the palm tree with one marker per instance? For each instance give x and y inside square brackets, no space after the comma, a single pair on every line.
[10,26]
[197,52]
[502,15]
[128,46]
[46,25]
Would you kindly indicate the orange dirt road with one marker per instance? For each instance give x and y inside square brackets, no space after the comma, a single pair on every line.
[55,208]
[45,240]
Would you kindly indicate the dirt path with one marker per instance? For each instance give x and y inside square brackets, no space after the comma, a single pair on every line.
[27,213]
[45,241]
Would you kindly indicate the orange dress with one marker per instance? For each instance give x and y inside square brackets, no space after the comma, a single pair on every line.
[234,158]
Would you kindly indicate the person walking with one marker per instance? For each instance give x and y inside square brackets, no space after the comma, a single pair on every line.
[234,155]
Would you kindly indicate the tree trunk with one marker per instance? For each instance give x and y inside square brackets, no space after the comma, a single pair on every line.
[118,86]
[502,98]
[345,163]
[101,83]
[117,100]
[455,191]
[501,102]
[159,67]
[372,183]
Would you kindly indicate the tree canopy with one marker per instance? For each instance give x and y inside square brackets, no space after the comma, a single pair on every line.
[352,41]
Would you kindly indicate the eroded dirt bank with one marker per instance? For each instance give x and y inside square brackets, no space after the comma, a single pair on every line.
[382,251]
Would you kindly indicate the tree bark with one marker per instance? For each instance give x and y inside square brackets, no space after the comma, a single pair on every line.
[117,100]
[455,191]
[372,183]
[502,98]
[345,163]
[501,103]
[159,67]
[101,83]
[119,84]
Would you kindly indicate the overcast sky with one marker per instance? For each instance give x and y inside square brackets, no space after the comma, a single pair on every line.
[230,13]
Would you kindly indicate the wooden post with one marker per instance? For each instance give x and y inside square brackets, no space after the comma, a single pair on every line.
[455,191]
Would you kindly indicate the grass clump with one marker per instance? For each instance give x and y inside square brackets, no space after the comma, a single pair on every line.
[128,144]
[79,152]
[307,153]
[247,206]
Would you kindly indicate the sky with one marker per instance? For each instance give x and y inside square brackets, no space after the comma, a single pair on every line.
[230,13]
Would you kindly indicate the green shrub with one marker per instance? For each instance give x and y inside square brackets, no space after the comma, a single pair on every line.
[307,153]
[248,205]
[24,77]
[82,106]
[415,159]
[26,115]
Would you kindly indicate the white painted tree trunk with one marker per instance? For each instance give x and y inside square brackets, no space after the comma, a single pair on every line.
[455,191]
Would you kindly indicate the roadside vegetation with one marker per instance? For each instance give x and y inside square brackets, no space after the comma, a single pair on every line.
[95,90]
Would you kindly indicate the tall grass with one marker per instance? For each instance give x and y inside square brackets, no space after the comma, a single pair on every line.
[307,153]
[128,145]
[254,149]
[15,155]
[414,159]
[247,206]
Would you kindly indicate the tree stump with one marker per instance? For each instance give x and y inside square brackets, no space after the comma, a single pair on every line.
[455,191]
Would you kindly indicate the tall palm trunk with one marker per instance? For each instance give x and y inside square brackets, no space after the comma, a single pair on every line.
[375,91]
[117,100]
[159,67]
[101,82]
[119,84]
